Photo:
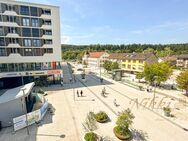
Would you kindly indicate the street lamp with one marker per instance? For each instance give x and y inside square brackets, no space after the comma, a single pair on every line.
[155,85]
[23,89]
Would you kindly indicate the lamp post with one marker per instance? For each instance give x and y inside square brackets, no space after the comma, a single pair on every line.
[155,85]
[23,89]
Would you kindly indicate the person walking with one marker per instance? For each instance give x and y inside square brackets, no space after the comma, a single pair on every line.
[61,83]
[115,103]
[81,93]
[77,93]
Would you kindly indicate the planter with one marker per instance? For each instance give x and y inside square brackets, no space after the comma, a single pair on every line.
[98,138]
[101,117]
[122,137]
[102,121]
[167,113]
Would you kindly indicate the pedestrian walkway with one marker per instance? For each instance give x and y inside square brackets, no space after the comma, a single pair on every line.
[66,73]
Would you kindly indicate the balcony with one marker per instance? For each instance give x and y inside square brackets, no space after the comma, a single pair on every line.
[13,35]
[13,45]
[12,13]
[9,24]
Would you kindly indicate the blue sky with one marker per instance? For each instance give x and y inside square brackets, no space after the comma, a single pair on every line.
[122,21]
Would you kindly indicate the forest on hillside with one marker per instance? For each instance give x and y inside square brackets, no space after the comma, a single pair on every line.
[70,52]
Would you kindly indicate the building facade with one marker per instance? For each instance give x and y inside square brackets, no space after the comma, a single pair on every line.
[182,61]
[133,62]
[30,43]
[95,59]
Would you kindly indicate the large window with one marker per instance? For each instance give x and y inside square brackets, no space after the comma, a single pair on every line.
[46,12]
[28,52]
[11,19]
[35,22]
[2,52]
[0,8]
[27,42]
[35,32]
[1,19]
[34,11]
[25,21]
[11,30]
[26,32]
[24,10]
[36,43]
[2,42]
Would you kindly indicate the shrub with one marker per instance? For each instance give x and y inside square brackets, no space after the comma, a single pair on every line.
[101,116]
[90,136]
[167,109]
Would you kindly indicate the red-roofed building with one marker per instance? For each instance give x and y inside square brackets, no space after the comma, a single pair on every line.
[94,59]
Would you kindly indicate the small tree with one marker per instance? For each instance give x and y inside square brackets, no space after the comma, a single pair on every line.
[107,65]
[90,122]
[114,65]
[125,119]
[182,81]
[139,75]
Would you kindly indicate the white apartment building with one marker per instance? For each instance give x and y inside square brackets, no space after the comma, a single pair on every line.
[30,45]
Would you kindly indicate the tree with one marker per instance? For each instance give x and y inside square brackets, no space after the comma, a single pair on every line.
[114,65]
[158,72]
[182,81]
[107,65]
[139,75]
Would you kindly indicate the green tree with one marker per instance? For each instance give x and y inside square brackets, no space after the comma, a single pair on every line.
[107,65]
[114,65]
[139,75]
[182,81]
[158,72]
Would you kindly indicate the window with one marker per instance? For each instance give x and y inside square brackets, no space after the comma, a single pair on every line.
[134,61]
[47,12]
[2,52]
[28,52]
[35,32]
[27,42]
[35,22]
[13,40]
[11,19]
[11,30]
[141,62]
[0,8]
[129,66]
[49,50]
[2,42]
[1,19]
[48,32]
[47,22]
[1,31]
[25,21]
[36,43]
[26,32]
[34,11]
[48,41]
[11,8]
[24,10]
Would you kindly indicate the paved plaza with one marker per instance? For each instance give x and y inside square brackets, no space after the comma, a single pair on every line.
[68,112]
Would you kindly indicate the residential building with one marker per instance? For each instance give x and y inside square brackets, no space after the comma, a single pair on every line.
[30,45]
[133,62]
[95,59]
[170,59]
[182,61]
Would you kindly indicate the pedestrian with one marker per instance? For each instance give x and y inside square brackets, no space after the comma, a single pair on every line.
[61,83]
[77,93]
[104,90]
[81,93]
[115,103]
